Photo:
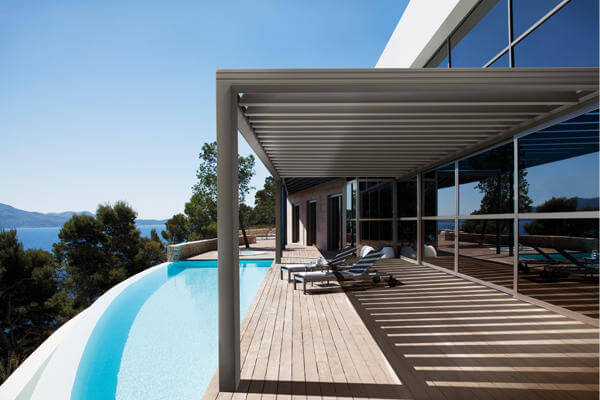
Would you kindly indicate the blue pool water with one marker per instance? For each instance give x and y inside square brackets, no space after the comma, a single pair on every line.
[158,338]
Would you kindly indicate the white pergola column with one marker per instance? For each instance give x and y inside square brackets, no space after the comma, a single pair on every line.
[420,218]
[279,216]
[227,235]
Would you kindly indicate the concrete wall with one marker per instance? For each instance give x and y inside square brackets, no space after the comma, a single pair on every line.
[186,250]
[423,27]
[319,193]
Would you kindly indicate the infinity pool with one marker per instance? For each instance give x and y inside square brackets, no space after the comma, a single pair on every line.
[158,338]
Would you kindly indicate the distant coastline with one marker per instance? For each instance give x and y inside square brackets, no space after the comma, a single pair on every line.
[44,237]
[11,218]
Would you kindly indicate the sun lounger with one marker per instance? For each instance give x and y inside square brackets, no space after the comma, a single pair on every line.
[336,261]
[361,271]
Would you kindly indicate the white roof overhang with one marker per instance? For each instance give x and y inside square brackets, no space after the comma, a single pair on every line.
[395,122]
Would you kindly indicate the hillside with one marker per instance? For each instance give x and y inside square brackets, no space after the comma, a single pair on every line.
[11,217]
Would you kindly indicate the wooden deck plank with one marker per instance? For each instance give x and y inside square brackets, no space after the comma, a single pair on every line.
[435,337]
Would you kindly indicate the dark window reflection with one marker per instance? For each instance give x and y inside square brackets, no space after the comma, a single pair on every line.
[438,191]
[407,236]
[438,246]
[486,182]
[350,233]
[407,198]
[351,200]
[528,12]
[376,199]
[567,39]
[485,249]
[559,166]
[376,230]
[481,36]
[557,265]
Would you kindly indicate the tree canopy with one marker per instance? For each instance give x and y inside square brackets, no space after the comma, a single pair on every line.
[199,220]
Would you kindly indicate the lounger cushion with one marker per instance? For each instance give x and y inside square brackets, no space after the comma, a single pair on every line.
[294,267]
[316,275]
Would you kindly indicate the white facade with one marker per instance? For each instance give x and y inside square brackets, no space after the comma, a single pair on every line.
[423,27]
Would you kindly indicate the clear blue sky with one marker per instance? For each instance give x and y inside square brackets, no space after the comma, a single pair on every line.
[111,100]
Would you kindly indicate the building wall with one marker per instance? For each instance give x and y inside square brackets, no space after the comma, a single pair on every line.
[319,193]
[421,30]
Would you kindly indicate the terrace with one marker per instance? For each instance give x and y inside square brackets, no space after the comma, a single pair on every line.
[445,333]
[437,336]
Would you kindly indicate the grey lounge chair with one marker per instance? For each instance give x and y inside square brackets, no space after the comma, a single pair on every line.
[336,261]
[361,271]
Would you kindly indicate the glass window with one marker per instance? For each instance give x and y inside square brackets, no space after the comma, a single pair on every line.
[502,62]
[376,199]
[350,233]
[407,236]
[567,39]
[486,182]
[559,167]
[439,243]
[407,198]
[557,265]
[376,230]
[438,191]
[481,36]
[351,200]
[485,249]
[528,12]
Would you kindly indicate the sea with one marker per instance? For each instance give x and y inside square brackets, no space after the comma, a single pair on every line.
[44,238]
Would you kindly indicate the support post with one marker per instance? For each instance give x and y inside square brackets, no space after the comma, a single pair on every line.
[420,218]
[358,240]
[516,217]
[456,212]
[279,216]
[395,213]
[227,239]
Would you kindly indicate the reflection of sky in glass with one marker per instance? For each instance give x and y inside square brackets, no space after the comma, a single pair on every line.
[572,177]
[484,40]
[445,201]
[528,12]
[568,39]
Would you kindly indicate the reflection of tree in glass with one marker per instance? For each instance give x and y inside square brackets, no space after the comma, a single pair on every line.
[494,172]
[563,227]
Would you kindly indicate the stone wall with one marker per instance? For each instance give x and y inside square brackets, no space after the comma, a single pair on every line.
[186,250]
[320,194]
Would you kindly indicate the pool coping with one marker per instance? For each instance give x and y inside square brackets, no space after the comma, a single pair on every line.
[58,364]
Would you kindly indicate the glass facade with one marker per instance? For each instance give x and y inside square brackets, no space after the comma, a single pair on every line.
[552,44]
[351,213]
[556,262]
[376,230]
[438,191]
[482,35]
[551,158]
[407,197]
[558,167]
[545,33]
[375,199]
[407,238]
[486,182]
[485,249]
[438,241]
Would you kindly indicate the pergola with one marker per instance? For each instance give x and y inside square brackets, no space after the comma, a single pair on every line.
[326,123]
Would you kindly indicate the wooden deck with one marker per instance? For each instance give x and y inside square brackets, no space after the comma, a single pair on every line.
[435,337]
